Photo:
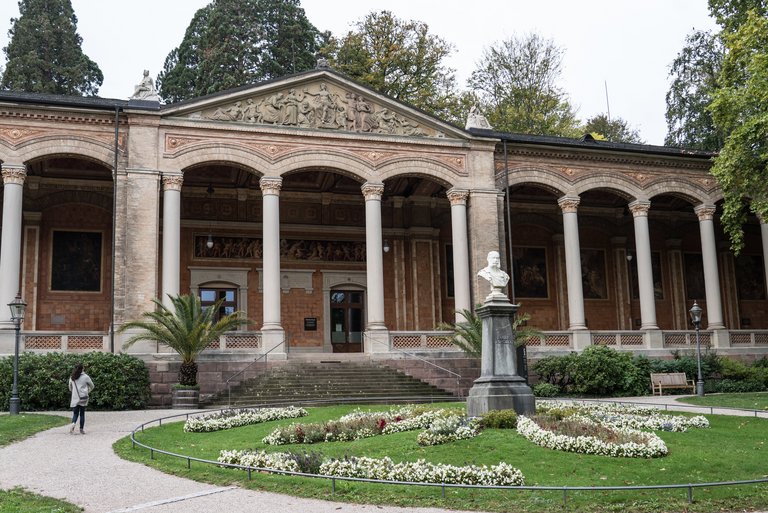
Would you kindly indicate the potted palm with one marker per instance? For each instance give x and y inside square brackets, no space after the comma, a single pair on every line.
[187,328]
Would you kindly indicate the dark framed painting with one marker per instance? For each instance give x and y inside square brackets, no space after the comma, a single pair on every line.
[694,277]
[76,261]
[593,274]
[530,270]
[658,284]
[750,277]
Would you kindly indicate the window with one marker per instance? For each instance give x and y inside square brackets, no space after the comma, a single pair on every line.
[228,298]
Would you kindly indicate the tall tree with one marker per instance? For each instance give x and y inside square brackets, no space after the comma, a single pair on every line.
[740,109]
[694,80]
[516,82]
[614,130]
[398,58]
[230,43]
[731,14]
[44,53]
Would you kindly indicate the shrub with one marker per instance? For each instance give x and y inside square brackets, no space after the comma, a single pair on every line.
[122,381]
[554,370]
[308,462]
[600,370]
[545,390]
[500,419]
[737,386]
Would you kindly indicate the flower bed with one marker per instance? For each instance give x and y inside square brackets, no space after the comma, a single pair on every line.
[633,444]
[621,415]
[448,429]
[236,418]
[385,469]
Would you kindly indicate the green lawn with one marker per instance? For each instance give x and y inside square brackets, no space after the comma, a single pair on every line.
[749,401]
[14,428]
[731,449]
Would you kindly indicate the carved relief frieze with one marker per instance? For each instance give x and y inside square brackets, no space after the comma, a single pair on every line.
[318,105]
[251,248]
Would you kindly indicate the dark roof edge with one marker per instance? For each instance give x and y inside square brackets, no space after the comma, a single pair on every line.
[87,102]
[545,140]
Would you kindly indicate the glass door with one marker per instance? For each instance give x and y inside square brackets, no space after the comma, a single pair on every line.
[209,296]
[347,321]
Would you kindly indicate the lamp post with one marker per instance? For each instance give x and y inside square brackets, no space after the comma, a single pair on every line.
[17,307]
[696,320]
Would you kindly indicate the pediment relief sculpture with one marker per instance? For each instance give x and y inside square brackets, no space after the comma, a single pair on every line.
[320,106]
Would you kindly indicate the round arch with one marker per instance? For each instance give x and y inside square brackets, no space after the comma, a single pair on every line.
[48,147]
[216,153]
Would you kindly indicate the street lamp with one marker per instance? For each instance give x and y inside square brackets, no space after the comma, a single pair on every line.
[696,320]
[17,316]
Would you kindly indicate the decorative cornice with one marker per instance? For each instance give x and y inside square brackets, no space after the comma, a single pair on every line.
[14,175]
[270,185]
[671,161]
[372,190]
[705,212]
[569,204]
[457,196]
[640,208]
[172,182]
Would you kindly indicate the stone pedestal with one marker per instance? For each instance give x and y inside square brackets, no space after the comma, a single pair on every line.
[499,386]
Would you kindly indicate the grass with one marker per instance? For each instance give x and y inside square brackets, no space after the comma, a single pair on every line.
[14,428]
[749,401]
[732,449]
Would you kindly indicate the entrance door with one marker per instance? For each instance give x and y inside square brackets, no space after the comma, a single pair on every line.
[347,321]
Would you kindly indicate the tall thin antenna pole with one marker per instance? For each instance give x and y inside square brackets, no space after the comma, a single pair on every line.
[607,105]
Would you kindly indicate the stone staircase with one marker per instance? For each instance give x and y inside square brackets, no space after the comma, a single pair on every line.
[333,382]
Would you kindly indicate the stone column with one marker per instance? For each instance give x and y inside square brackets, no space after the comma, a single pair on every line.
[639,211]
[714,311]
[171,236]
[569,206]
[462,296]
[374,255]
[10,245]
[270,189]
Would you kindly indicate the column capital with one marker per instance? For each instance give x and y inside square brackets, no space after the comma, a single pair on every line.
[569,204]
[271,185]
[14,175]
[172,182]
[457,196]
[705,212]
[639,208]
[372,190]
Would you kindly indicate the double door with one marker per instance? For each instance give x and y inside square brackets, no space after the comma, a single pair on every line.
[347,314]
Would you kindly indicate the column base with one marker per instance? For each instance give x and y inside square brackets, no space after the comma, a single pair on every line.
[500,394]
[376,340]
[270,340]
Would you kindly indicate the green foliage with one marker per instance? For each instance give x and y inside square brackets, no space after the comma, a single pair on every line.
[231,43]
[694,80]
[732,14]
[740,109]
[19,500]
[732,386]
[614,130]
[468,335]
[44,52]
[516,84]
[309,462]
[14,428]
[710,364]
[122,381]
[554,370]
[187,329]
[399,58]
[499,419]
[545,390]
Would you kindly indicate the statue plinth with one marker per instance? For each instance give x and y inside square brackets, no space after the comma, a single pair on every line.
[499,387]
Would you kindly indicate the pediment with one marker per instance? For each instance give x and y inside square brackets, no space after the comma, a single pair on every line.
[318,100]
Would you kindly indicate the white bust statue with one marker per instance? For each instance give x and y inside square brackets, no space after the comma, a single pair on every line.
[495,275]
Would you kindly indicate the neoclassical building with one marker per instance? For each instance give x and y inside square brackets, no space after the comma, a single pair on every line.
[339,220]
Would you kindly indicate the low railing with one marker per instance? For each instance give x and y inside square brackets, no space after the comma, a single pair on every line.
[551,340]
[259,358]
[743,338]
[46,341]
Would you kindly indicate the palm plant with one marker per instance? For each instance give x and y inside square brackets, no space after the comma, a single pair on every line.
[468,334]
[187,329]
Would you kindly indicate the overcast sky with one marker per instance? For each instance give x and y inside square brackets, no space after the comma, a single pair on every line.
[626,44]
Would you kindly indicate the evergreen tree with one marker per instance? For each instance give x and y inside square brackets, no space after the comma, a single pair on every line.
[231,43]
[44,53]
[516,82]
[401,59]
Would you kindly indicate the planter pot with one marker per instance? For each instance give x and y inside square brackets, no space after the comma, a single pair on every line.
[185,399]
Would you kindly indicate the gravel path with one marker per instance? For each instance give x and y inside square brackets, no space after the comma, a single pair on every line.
[85,471]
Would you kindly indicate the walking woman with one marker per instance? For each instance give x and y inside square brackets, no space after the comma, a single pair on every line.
[80,386]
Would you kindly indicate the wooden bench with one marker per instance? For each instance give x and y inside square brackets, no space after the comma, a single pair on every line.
[663,380]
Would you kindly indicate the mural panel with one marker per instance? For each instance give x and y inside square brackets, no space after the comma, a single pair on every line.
[76,261]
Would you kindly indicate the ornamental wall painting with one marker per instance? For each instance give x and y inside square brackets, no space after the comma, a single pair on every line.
[658,287]
[251,248]
[750,277]
[530,272]
[593,274]
[694,277]
[76,261]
